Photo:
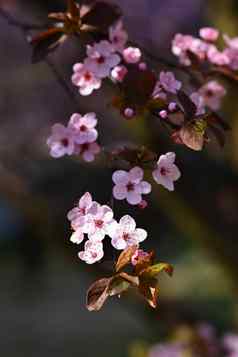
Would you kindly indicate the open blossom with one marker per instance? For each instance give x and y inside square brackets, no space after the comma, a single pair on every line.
[232,55]
[181,44]
[212,93]
[101,59]
[92,253]
[78,215]
[118,73]
[88,151]
[219,58]
[209,34]
[100,219]
[166,171]
[85,79]
[118,36]
[84,127]
[231,42]
[197,99]
[230,342]
[130,185]
[125,233]
[169,83]
[61,142]
[132,54]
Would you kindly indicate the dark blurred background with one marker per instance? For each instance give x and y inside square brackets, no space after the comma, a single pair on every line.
[43,284]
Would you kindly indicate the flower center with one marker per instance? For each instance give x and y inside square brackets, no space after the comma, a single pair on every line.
[84,147]
[87,76]
[209,93]
[115,39]
[100,60]
[99,223]
[83,128]
[163,171]
[65,142]
[82,210]
[126,236]
[130,186]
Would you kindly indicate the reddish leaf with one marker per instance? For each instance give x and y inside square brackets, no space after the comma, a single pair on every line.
[125,257]
[45,43]
[73,9]
[138,87]
[98,294]
[149,290]
[133,280]
[192,135]
[188,106]
[101,16]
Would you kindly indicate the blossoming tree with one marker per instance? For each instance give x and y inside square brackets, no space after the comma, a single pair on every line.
[189,115]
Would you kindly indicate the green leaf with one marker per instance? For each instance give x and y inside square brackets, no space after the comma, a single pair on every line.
[118,285]
[156,269]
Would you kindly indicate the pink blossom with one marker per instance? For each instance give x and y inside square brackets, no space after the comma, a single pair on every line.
[172,106]
[85,79]
[139,254]
[129,113]
[217,57]
[101,59]
[88,151]
[84,127]
[132,54]
[232,55]
[78,215]
[118,73]
[163,114]
[169,83]
[231,42]
[209,34]
[77,237]
[118,36]
[130,185]
[212,93]
[92,253]
[230,342]
[166,172]
[181,44]
[100,218]
[142,66]
[197,99]
[125,233]
[61,142]
[143,204]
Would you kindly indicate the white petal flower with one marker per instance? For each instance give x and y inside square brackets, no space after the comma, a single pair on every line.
[166,171]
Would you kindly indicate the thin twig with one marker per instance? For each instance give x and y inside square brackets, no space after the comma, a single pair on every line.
[25,28]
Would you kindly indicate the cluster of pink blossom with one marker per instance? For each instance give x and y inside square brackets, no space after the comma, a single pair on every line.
[204,48]
[131,186]
[105,60]
[96,221]
[78,137]
[206,337]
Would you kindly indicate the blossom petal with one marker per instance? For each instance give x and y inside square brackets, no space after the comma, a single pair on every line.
[120,177]
[136,174]
[133,198]
[128,224]
[119,192]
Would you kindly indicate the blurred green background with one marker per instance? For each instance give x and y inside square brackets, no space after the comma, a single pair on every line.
[43,284]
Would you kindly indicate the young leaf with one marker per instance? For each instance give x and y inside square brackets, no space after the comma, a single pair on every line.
[98,294]
[149,290]
[118,285]
[125,257]
[45,43]
[144,262]
[132,279]
[154,270]
[101,16]
[192,135]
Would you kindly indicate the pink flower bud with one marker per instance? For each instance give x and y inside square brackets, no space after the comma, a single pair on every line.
[209,34]
[142,66]
[143,204]
[163,114]
[172,106]
[118,73]
[132,54]
[129,113]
